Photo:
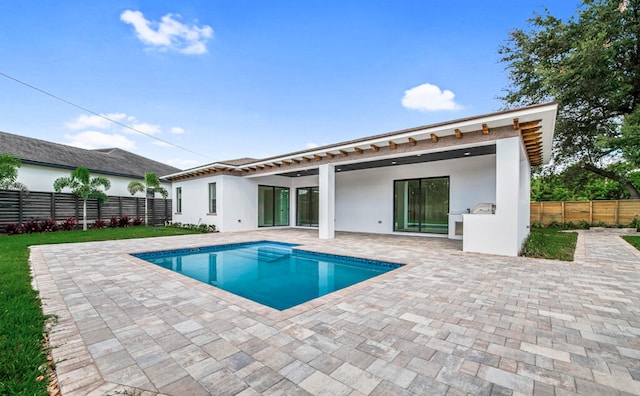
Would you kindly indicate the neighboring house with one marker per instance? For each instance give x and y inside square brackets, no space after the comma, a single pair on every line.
[418,181]
[43,162]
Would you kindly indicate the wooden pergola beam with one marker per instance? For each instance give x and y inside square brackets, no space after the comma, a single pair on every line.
[317,157]
[344,153]
[306,159]
[516,124]
[458,133]
[434,137]
[393,145]
[485,129]
[329,155]
[375,148]
[358,150]
[412,141]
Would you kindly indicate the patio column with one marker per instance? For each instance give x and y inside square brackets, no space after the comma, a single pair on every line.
[327,204]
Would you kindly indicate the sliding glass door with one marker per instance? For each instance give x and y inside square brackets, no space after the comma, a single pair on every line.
[273,206]
[421,205]
[307,201]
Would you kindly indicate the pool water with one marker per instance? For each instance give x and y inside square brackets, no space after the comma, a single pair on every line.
[270,273]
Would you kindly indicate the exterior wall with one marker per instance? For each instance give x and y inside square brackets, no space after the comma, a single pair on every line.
[41,178]
[503,232]
[364,199]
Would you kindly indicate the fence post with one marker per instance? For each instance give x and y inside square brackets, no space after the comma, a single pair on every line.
[563,212]
[20,209]
[540,215]
[53,205]
[590,212]
[617,213]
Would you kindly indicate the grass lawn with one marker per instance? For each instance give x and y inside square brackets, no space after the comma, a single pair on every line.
[22,361]
[549,243]
[634,240]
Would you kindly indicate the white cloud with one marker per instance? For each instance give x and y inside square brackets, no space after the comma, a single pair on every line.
[429,97]
[95,139]
[311,145]
[169,33]
[149,129]
[177,130]
[85,121]
[160,143]
[182,163]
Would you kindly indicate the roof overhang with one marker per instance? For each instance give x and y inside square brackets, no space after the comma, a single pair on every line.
[534,124]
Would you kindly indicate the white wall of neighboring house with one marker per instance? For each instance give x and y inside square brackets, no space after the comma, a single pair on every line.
[41,178]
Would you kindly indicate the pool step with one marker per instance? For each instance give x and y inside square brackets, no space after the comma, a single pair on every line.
[266,254]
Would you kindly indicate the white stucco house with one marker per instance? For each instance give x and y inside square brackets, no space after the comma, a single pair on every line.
[43,162]
[420,181]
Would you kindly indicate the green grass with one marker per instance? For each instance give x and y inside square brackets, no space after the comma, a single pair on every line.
[634,240]
[21,320]
[549,243]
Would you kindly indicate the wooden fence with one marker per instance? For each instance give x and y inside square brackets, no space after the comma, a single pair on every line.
[594,212]
[16,208]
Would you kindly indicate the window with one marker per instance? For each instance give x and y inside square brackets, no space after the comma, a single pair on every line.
[179,199]
[307,206]
[212,198]
[273,206]
[421,205]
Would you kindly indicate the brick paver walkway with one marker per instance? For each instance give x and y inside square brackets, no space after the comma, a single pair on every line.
[448,323]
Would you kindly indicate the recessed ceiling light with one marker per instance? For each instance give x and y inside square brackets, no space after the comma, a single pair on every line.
[393,162]
[339,169]
[417,155]
[467,153]
[298,174]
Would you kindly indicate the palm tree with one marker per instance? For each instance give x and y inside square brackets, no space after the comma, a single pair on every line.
[84,186]
[151,186]
[9,173]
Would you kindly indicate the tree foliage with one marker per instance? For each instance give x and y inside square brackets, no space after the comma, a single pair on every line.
[151,186]
[9,173]
[590,65]
[84,186]
[573,184]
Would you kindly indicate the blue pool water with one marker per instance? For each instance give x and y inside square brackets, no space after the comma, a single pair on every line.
[270,273]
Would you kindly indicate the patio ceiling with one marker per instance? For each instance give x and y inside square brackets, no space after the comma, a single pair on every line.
[406,160]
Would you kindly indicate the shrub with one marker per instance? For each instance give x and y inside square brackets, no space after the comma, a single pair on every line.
[137,221]
[113,223]
[32,226]
[12,229]
[99,224]
[69,224]
[124,221]
[537,224]
[48,225]
[584,225]
[600,224]
[569,225]
[635,223]
[555,225]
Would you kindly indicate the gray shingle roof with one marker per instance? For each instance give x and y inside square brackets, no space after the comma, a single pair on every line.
[112,161]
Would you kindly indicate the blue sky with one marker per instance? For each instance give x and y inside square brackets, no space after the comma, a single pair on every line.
[240,78]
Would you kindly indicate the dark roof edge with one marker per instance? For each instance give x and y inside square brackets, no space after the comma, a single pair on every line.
[50,165]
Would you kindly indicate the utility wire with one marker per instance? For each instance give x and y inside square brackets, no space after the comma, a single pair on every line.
[101,115]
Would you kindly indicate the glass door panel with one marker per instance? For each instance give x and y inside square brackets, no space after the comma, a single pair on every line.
[307,201]
[421,205]
[265,206]
[281,206]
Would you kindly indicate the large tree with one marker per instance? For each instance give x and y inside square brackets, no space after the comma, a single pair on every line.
[590,65]
[84,186]
[150,187]
[9,173]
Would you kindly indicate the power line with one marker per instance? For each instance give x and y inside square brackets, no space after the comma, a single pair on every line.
[100,115]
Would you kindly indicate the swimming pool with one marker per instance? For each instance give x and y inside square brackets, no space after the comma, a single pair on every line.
[270,273]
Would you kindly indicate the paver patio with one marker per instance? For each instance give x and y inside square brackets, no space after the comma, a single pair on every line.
[448,323]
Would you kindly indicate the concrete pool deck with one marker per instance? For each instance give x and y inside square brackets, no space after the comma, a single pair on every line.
[448,323]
